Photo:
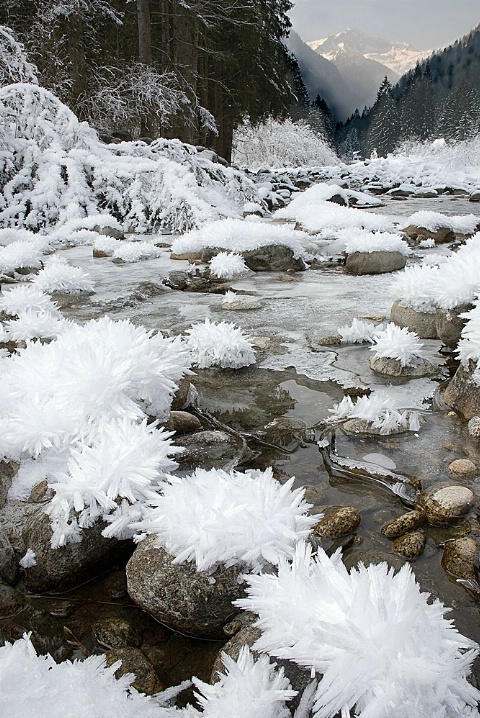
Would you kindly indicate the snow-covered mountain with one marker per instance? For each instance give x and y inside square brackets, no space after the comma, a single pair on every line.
[396,56]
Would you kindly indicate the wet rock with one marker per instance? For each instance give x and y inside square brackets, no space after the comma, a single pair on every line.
[422,323]
[463,393]
[357,427]
[8,469]
[11,601]
[8,561]
[447,503]
[67,566]
[449,324]
[208,449]
[410,545]
[390,366]
[442,235]
[134,661]
[406,522]
[177,279]
[182,422]
[101,253]
[338,521]
[185,394]
[109,232]
[463,467]
[39,492]
[115,632]
[460,557]
[475,196]
[180,597]
[374,262]
[14,518]
[273,258]
[474,426]
[287,432]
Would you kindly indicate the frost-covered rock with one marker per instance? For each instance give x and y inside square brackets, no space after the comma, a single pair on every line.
[222,344]
[378,412]
[311,612]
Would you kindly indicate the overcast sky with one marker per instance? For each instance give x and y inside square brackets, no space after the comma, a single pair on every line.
[425,24]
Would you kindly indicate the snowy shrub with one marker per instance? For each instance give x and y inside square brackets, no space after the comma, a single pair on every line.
[382,647]
[360,240]
[276,143]
[112,478]
[381,411]
[397,343]
[227,265]
[247,689]
[222,344]
[59,276]
[233,518]
[54,169]
[14,66]
[358,332]
[236,235]
[415,287]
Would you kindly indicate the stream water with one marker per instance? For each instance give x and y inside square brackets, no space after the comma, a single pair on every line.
[296,381]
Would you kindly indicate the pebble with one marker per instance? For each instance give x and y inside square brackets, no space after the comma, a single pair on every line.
[445,504]
[462,467]
[338,521]
[182,422]
[474,426]
[460,557]
[134,661]
[116,633]
[410,545]
[406,522]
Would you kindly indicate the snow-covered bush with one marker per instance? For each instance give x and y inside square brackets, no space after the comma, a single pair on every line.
[222,344]
[397,343]
[276,143]
[379,410]
[236,235]
[54,169]
[382,647]
[227,265]
[233,518]
[88,689]
[14,66]
[358,332]
[59,276]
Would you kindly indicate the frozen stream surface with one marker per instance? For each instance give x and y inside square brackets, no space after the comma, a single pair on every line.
[298,377]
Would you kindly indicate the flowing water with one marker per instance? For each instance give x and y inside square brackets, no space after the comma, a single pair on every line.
[281,402]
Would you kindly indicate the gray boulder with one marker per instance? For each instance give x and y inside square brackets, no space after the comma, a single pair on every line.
[273,258]
[422,323]
[463,393]
[178,595]
[389,366]
[449,324]
[374,262]
[442,235]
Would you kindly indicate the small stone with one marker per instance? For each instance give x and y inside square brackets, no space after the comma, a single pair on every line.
[410,545]
[100,253]
[338,521]
[39,492]
[446,504]
[474,426]
[185,394]
[134,661]
[460,557]
[182,422]
[462,467]
[389,366]
[116,633]
[401,525]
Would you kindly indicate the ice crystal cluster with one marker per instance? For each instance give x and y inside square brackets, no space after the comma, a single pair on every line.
[397,343]
[58,171]
[227,265]
[32,314]
[358,332]
[469,344]
[236,235]
[222,344]
[59,276]
[382,646]
[379,410]
[89,689]
[125,250]
[360,240]
[78,406]
[233,518]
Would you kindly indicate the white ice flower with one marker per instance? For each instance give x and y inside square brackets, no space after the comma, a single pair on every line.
[233,518]
[29,559]
[415,287]
[227,265]
[27,297]
[358,332]
[378,409]
[397,343]
[222,344]
[59,276]
[382,646]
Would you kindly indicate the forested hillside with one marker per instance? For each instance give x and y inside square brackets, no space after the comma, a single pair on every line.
[439,98]
[173,68]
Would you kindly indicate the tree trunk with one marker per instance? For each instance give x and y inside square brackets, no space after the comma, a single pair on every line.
[144,32]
